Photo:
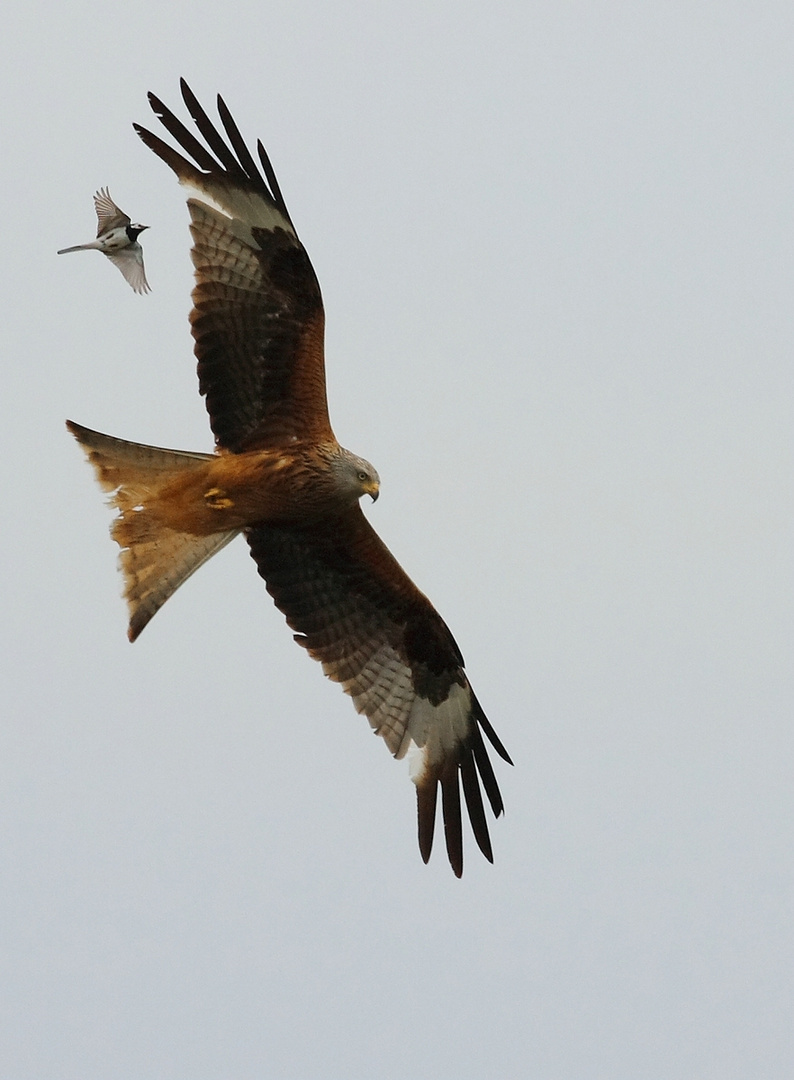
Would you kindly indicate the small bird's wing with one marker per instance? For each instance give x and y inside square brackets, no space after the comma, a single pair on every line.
[257,319]
[354,609]
[130,261]
[108,214]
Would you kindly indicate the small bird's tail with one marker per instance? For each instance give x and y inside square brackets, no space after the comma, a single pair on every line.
[93,246]
[154,559]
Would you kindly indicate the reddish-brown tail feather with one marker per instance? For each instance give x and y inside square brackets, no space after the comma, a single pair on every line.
[154,559]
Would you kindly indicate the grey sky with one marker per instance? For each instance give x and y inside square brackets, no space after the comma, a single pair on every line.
[555,247]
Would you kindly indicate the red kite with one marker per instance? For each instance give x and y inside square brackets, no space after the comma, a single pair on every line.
[279,476]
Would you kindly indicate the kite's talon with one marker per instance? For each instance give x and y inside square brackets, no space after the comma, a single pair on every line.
[217,499]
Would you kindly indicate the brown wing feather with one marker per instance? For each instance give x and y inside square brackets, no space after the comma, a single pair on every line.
[258,318]
[355,610]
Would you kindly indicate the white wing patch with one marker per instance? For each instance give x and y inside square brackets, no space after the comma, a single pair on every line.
[436,730]
[250,209]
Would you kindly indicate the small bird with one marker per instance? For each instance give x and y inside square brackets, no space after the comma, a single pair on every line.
[117,238]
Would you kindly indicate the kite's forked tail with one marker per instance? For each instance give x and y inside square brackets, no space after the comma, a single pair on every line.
[154,559]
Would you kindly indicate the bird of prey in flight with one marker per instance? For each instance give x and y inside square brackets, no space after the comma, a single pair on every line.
[279,477]
[117,238]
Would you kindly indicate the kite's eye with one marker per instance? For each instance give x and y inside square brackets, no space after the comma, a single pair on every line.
[363,476]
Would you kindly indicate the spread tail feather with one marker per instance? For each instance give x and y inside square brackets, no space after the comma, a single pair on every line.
[154,559]
[79,247]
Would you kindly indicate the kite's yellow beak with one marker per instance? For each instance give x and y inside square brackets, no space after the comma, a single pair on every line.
[373,490]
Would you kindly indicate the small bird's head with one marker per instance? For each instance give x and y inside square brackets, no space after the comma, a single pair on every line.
[134,231]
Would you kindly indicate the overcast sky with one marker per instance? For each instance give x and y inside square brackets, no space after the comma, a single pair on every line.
[556,246]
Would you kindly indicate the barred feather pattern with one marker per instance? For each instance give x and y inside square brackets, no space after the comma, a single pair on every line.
[356,611]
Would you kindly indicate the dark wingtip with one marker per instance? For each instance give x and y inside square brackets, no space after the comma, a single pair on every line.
[426,792]
[232,159]
[147,137]
[453,822]
[155,104]
[468,767]
[474,803]
[485,724]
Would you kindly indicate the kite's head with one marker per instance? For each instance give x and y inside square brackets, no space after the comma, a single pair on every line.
[370,482]
[356,477]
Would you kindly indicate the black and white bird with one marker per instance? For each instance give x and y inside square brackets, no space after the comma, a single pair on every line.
[117,238]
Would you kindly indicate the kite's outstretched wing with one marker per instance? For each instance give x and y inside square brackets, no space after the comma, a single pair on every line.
[354,609]
[258,319]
